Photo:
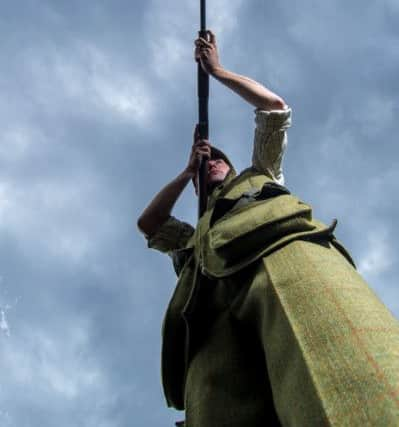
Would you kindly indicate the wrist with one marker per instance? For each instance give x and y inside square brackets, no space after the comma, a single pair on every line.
[217,71]
[188,174]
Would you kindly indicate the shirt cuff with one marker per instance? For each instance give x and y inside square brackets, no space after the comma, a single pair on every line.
[273,120]
[172,235]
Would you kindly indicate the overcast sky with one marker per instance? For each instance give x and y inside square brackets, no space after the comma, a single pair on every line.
[97,106]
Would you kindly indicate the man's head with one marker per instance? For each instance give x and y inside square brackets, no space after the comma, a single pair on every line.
[217,171]
[219,167]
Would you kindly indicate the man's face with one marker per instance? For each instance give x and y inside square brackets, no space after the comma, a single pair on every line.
[217,171]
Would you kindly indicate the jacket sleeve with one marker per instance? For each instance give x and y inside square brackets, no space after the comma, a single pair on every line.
[172,235]
[270,142]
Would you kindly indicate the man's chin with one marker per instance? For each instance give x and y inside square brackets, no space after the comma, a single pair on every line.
[213,183]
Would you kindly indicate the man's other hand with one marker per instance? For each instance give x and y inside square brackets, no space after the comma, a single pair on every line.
[201,147]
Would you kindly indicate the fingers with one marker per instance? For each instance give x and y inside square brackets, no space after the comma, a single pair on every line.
[212,37]
[203,152]
[201,148]
[204,48]
[200,52]
[201,143]
[202,43]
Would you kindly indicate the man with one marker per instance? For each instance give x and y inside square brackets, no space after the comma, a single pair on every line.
[270,324]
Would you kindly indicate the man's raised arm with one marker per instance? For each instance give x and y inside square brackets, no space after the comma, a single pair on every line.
[250,90]
[160,208]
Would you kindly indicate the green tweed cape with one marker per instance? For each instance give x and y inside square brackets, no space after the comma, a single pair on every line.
[329,347]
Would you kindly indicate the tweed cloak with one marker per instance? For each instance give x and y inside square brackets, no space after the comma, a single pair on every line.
[270,324]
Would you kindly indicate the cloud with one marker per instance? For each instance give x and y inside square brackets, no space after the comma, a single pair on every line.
[377,257]
[5,308]
[376,114]
[3,323]
[55,365]
[15,142]
[61,217]
[224,15]
[392,6]
[316,25]
[40,366]
[88,81]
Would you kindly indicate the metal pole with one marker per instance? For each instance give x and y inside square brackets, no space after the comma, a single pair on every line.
[203,95]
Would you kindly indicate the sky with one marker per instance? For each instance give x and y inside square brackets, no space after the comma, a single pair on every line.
[97,108]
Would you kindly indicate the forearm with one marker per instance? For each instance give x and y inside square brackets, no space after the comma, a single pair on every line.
[160,208]
[250,90]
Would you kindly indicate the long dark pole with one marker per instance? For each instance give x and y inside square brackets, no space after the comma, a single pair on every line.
[203,95]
